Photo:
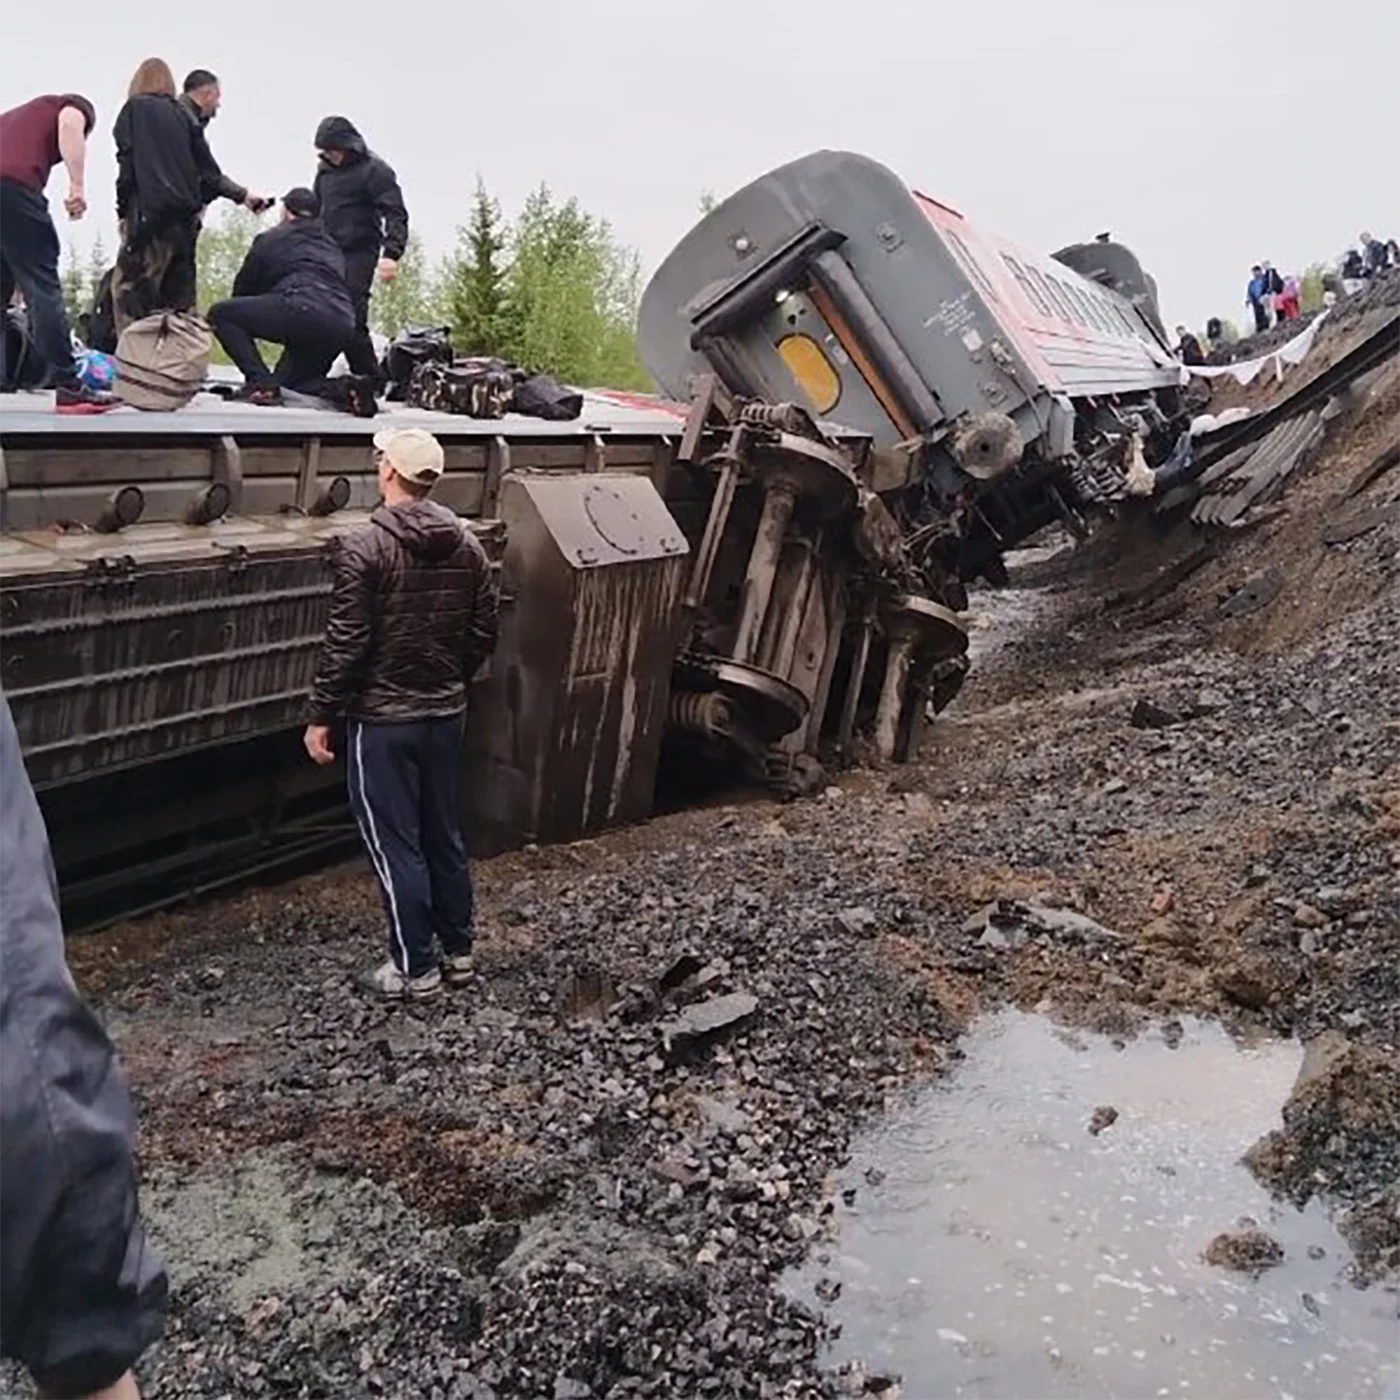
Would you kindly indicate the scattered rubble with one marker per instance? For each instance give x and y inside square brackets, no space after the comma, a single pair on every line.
[1247,1250]
[518,1189]
[1341,1138]
[1105,1116]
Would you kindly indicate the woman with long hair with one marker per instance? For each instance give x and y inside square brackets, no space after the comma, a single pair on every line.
[152,77]
[163,183]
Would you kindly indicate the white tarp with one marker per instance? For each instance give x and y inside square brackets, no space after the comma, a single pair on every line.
[1247,371]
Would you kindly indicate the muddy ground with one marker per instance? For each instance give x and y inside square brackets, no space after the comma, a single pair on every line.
[542,1187]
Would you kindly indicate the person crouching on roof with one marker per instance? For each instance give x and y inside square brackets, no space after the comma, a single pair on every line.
[413,615]
[364,212]
[291,291]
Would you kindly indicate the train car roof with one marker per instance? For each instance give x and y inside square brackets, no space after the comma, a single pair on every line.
[613,412]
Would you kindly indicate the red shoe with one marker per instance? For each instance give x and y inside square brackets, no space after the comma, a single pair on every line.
[78,398]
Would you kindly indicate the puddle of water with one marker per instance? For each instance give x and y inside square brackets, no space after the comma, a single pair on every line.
[1008,1253]
[998,615]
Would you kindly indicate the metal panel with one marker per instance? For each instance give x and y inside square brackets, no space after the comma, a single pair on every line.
[927,304]
[566,736]
[120,650]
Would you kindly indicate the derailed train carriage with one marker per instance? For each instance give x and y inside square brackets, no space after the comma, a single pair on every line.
[1004,390]
[881,398]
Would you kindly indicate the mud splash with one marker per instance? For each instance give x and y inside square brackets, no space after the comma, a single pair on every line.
[995,1246]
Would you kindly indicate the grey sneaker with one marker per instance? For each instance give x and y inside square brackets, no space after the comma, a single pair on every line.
[458,970]
[387,981]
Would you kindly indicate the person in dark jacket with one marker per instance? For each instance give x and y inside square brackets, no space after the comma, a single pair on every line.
[35,137]
[413,616]
[165,177]
[1188,348]
[200,101]
[81,1294]
[1375,256]
[290,291]
[364,212]
[1257,297]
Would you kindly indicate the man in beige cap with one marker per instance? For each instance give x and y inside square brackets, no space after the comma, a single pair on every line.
[412,618]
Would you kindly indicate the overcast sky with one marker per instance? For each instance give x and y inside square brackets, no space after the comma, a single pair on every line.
[1206,134]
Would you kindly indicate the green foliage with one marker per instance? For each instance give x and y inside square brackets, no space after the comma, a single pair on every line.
[73,279]
[555,292]
[1310,287]
[474,279]
[223,244]
[411,299]
[571,296]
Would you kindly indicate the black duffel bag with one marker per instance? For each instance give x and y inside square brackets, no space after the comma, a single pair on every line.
[539,396]
[419,345]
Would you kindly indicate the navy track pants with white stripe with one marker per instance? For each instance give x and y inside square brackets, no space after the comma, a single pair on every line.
[405,790]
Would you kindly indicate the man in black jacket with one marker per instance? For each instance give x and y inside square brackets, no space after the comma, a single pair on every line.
[364,212]
[290,291]
[413,615]
[81,1295]
[201,98]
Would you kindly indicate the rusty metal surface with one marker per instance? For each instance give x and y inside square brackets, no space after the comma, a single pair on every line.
[566,735]
[122,650]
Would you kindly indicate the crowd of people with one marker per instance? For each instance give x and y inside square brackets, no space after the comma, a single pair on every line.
[1274,298]
[305,284]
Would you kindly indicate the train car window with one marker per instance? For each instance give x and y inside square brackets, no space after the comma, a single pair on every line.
[1046,296]
[1074,314]
[807,363]
[1086,303]
[970,265]
[1057,296]
[1026,285]
[1105,307]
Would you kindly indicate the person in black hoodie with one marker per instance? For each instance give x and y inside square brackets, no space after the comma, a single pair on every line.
[291,291]
[165,177]
[363,210]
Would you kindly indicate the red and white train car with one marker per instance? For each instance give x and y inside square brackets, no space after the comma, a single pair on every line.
[1017,388]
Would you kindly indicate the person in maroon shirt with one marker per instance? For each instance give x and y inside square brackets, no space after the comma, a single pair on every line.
[34,137]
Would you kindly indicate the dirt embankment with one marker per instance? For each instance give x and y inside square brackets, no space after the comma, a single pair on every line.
[560,1183]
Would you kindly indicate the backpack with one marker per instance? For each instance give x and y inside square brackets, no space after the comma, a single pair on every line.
[539,396]
[161,360]
[100,327]
[24,369]
[422,345]
[475,388]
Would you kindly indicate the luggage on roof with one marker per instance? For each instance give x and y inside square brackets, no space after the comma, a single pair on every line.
[161,360]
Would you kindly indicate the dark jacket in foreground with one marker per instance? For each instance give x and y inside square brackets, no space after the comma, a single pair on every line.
[361,204]
[81,1295]
[413,615]
[222,185]
[300,260]
[165,172]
